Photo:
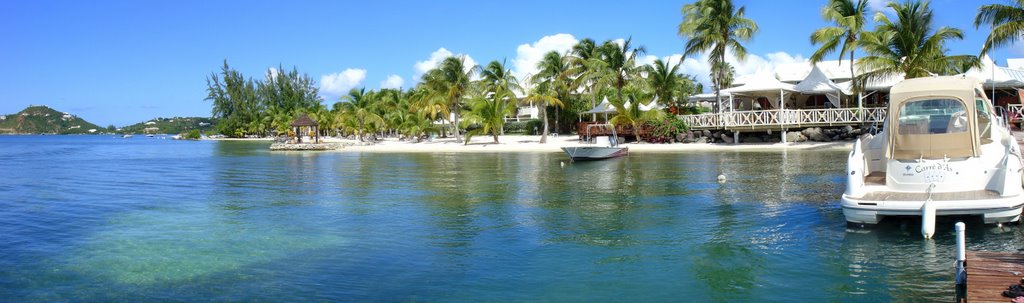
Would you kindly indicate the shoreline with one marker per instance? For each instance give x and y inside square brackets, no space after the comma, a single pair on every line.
[531,144]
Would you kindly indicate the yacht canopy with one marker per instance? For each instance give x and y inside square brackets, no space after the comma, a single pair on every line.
[928,136]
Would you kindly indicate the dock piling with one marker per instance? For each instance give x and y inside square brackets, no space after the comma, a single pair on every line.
[960,266]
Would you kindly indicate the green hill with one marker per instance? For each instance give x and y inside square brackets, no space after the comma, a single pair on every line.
[174,125]
[44,120]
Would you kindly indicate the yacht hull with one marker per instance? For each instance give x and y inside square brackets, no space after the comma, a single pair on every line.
[591,153]
[994,210]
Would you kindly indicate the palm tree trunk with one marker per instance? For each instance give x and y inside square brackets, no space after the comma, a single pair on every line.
[557,130]
[455,127]
[359,132]
[636,130]
[853,81]
[544,133]
[495,134]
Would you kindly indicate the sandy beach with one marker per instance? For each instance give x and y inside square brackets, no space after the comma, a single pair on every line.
[519,143]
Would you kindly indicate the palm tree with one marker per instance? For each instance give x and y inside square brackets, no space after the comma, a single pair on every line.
[489,112]
[585,62]
[722,74]
[715,26]
[428,104]
[450,82]
[629,113]
[555,68]
[849,21]
[664,80]
[494,100]
[359,109]
[909,45]
[1007,22]
[500,81]
[543,95]
[619,64]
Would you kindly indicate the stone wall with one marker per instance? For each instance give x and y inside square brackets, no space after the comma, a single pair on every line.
[812,134]
[303,146]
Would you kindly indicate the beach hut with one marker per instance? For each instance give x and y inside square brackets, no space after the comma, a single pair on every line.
[304,123]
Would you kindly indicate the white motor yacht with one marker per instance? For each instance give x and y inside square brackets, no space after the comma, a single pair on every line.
[593,152]
[943,151]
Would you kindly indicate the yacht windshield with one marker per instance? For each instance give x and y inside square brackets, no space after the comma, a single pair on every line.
[932,116]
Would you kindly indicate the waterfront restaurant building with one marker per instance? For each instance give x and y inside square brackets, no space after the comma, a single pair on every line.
[796,96]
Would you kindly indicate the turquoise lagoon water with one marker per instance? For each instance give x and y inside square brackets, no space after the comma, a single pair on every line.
[96,218]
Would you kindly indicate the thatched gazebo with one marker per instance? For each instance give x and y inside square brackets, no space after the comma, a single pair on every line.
[304,123]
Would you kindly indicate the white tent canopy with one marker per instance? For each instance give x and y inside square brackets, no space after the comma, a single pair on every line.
[817,83]
[879,84]
[651,105]
[764,85]
[604,107]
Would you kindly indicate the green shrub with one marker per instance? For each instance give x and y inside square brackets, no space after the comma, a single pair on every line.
[515,127]
[667,129]
[193,135]
[692,110]
[534,127]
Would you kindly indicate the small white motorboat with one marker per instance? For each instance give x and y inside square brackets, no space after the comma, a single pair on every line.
[593,152]
[943,151]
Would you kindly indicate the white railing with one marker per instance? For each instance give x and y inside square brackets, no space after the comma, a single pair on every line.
[788,117]
[1016,111]
[532,112]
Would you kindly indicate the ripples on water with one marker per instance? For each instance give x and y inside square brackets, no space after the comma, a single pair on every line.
[98,218]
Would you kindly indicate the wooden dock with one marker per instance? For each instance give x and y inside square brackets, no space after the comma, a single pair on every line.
[990,273]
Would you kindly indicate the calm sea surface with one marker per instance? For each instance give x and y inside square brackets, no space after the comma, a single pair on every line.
[98,218]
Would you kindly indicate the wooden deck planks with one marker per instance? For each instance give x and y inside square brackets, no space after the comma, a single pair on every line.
[990,273]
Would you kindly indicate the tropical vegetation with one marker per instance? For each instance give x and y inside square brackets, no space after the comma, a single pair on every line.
[716,27]
[849,19]
[1007,22]
[457,99]
[909,45]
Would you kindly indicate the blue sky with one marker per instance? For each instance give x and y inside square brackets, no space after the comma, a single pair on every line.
[125,62]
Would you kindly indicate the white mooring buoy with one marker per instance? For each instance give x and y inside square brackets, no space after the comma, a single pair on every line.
[721,178]
[563,163]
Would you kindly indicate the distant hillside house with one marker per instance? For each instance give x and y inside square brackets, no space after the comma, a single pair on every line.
[151,123]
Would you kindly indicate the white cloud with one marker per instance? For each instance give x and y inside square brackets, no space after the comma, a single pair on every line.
[421,67]
[880,6]
[646,60]
[753,65]
[272,73]
[338,84]
[393,81]
[621,42]
[528,55]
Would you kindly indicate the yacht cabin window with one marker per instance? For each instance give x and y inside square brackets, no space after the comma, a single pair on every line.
[932,116]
